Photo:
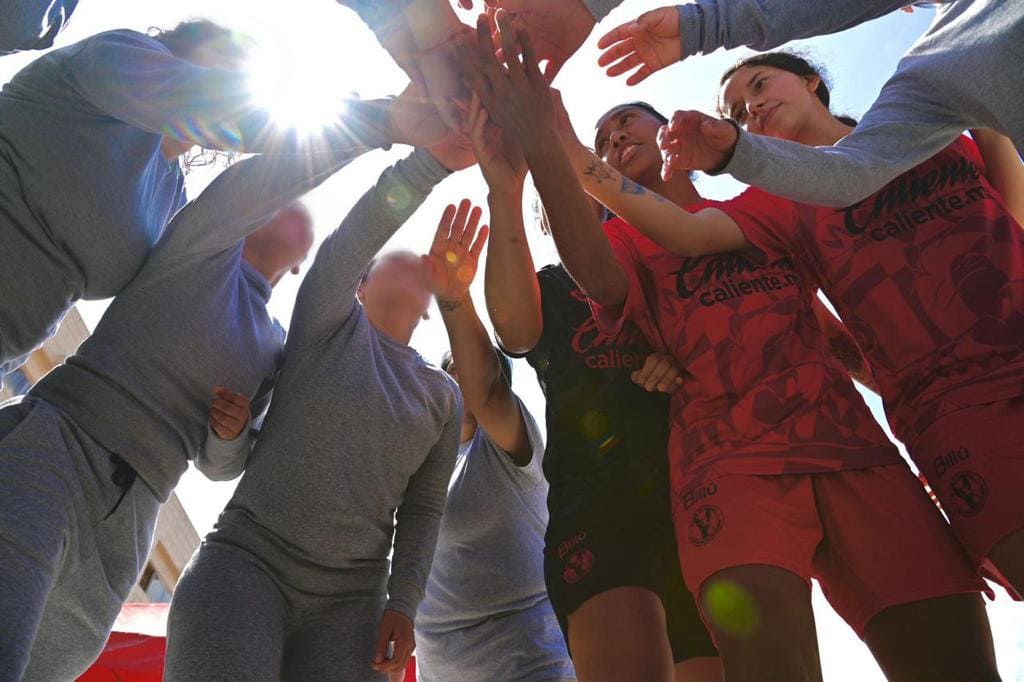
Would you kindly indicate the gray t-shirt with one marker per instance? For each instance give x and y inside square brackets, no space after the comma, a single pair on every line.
[486,615]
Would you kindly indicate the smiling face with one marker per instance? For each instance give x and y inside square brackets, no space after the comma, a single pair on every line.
[767,100]
[627,140]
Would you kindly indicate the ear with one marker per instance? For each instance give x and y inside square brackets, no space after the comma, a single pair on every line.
[813,81]
[295,270]
[359,293]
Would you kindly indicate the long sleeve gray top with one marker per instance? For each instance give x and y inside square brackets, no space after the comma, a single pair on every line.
[194,317]
[360,440]
[964,72]
[85,191]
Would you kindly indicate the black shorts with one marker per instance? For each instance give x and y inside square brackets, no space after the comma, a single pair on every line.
[590,551]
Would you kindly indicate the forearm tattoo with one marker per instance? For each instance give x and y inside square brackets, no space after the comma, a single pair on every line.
[598,171]
[447,306]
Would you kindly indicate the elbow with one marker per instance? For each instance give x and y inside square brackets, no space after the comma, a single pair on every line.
[518,340]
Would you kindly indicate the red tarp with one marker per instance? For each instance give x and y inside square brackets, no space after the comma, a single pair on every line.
[135,651]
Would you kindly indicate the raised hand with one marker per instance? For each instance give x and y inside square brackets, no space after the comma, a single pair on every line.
[558,28]
[696,141]
[394,628]
[500,156]
[517,97]
[651,42]
[452,262]
[659,373]
[413,119]
[436,31]
[229,413]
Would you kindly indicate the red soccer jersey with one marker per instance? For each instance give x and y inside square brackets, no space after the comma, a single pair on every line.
[761,394]
[928,275]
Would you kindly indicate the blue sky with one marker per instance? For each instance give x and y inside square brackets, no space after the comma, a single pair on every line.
[333,48]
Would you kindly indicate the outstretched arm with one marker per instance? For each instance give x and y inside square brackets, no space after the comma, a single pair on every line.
[134,78]
[519,101]
[486,391]
[1003,168]
[510,282]
[906,126]
[327,295]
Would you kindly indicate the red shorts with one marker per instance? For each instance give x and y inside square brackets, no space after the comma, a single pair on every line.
[871,537]
[973,460]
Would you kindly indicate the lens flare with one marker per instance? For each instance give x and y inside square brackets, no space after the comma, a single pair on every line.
[732,608]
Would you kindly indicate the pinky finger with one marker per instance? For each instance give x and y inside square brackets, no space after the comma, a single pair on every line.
[641,74]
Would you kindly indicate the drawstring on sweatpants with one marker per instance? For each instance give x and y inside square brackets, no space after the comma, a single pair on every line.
[123,477]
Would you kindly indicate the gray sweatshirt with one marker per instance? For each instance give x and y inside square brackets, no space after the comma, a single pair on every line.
[85,192]
[360,440]
[964,72]
[195,316]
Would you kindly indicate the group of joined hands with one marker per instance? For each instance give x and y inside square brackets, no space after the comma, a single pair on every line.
[455,70]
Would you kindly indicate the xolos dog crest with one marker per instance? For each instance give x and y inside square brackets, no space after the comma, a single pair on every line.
[968,493]
[705,525]
[578,566]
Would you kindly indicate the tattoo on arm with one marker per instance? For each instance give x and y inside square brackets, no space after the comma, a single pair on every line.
[630,187]
[597,170]
[447,306]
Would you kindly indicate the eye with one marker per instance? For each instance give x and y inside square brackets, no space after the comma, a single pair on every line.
[759,83]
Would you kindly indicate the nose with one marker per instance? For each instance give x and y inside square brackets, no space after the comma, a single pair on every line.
[618,138]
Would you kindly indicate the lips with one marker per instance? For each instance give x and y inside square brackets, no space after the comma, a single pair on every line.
[768,116]
[629,152]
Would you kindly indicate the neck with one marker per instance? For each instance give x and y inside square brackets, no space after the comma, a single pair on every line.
[396,324]
[679,190]
[824,131]
[269,272]
[172,149]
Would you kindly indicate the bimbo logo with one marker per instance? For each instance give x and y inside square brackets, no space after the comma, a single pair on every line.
[692,497]
[943,463]
[567,545]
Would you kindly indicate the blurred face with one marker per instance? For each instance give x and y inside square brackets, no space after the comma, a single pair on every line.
[397,281]
[627,139]
[769,101]
[284,242]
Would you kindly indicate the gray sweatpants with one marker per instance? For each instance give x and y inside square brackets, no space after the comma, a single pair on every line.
[233,619]
[68,559]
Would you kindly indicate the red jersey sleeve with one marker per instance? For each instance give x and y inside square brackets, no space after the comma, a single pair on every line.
[769,222]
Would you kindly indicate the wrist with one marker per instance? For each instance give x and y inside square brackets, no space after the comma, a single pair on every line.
[511,197]
[451,306]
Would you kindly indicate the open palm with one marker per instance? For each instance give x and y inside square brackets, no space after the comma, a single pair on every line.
[452,262]
[500,156]
[650,42]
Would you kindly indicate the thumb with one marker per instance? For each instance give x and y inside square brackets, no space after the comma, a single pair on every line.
[380,651]
[553,67]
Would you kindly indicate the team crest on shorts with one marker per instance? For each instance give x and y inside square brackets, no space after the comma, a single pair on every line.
[578,566]
[707,522]
[968,493]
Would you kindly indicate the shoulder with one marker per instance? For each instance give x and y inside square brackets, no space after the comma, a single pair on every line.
[121,39]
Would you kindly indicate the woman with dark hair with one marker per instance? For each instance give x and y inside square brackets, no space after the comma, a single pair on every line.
[353,459]
[610,561]
[779,472]
[960,74]
[486,613]
[89,140]
[94,448]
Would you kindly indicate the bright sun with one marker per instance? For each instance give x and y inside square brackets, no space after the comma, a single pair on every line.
[305,68]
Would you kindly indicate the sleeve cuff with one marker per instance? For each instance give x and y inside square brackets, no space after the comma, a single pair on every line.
[367,120]
[421,170]
[691,29]
[600,8]
[404,605]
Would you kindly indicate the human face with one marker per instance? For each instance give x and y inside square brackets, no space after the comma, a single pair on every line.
[398,281]
[770,101]
[285,241]
[627,139]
